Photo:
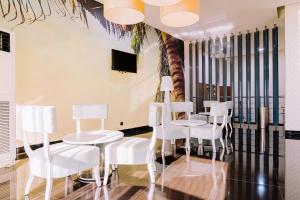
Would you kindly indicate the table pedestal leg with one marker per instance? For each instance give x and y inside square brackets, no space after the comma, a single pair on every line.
[87,176]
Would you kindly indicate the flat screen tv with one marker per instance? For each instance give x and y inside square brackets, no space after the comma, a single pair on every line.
[124,62]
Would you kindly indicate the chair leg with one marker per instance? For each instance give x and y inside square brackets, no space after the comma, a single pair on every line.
[153,154]
[173,144]
[188,147]
[151,172]
[222,155]
[213,145]
[199,150]
[226,136]
[154,167]
[222,142]
[163,152]
[231,129]
[106,173]
[188,144]
[48,188]
[29,183]
[114,167]
[173,141]
[97,175]
[200,141]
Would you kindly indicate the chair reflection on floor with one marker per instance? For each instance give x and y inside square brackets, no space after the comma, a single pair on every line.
[98,193]
[182,176]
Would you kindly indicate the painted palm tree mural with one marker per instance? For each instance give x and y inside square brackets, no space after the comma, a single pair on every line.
[21,12]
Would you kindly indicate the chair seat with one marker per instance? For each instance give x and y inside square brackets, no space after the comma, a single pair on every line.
[199,117]
[219,120]
[65,159]
[128,150]
[173,132]
[205,132]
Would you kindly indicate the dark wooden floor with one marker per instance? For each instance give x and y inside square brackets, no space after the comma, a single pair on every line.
[245,171]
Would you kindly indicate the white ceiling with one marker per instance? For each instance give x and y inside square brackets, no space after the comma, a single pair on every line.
[218,17]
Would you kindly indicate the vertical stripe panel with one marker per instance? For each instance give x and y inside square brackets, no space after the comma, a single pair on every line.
[248,77]
[257,75]
[217,73]
[224,69]
[210,68]
[191,70]
[197,75]
[232,69]
[275,77]
[240,77]
[266,67]
[203,74]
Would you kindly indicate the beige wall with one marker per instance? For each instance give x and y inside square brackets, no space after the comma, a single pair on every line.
[60,62]
[292,54]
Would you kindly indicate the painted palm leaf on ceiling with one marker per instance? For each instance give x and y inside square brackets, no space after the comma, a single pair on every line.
[22,12]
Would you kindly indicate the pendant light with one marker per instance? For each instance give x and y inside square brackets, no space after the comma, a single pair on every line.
[161,2]
[124,12]
[184,13]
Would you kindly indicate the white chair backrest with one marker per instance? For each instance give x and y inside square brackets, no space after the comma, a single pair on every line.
[155,119]
[90,111]
[178,107]
[155,114]
[219,110]
[230,107]
[38,119]
[208,104]
[41,120]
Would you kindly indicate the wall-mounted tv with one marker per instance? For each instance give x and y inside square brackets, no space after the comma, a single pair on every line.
[124,62]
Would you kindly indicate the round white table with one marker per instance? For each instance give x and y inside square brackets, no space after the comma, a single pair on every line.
[93,137]
[205,114]
[99,138]
[188,122]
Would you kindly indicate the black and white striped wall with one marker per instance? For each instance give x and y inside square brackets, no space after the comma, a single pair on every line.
[251,72]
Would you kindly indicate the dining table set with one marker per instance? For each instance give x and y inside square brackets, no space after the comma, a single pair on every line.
[96,138]
[102,137]
[93,155]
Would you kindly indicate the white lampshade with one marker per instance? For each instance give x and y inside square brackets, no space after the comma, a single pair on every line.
[161,2]
[125,12]
[166,84]
[184,13]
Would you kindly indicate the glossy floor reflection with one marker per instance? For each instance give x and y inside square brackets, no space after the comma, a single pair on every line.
[246,169]
[257,165]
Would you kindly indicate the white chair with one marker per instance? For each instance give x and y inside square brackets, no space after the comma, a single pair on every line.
[58,160]
[172,132]
[229,105]
[202,115]
[179,107]
[212,131]
[208,104]
[229,117]
[134,150]
[89,111]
